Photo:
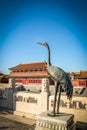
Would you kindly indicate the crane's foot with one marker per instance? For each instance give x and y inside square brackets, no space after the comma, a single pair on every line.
[52,114]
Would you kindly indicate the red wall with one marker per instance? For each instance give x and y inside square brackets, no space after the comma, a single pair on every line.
[28,81]
[79,83]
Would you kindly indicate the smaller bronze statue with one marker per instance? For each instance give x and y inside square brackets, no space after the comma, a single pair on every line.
[61,80]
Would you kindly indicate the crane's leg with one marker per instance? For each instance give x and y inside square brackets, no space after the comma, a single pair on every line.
[55,99]
[59,95]
[56,90]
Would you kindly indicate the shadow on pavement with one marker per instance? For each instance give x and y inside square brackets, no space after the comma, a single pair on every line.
[11,124]
[8,124]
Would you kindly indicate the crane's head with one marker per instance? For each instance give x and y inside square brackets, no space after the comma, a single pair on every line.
[43,43]
[47,46]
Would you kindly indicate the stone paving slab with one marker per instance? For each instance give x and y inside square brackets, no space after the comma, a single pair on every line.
[13,122]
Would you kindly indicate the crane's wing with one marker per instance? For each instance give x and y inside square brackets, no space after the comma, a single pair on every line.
[59,75]
[56,73]
[69,87]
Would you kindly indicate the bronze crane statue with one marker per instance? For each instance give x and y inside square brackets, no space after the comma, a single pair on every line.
[61,80]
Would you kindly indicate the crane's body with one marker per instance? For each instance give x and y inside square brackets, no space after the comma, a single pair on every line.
[61,80]
[58,75]
[55,72]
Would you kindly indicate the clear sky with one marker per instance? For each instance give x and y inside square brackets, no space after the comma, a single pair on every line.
[61,23]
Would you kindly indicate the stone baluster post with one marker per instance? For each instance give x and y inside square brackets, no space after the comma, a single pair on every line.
[12,83]
[45,94]
[77,105]
[68,104]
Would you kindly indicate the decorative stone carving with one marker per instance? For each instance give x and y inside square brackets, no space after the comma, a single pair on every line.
[45,84]
[12,82]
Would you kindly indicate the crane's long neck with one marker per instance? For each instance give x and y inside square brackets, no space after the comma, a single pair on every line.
[49,63]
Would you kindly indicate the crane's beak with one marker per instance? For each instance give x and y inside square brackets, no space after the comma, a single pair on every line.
[39,43]
[43,43]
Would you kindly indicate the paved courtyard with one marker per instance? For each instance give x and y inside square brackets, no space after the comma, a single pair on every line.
[9,121]
[13,122]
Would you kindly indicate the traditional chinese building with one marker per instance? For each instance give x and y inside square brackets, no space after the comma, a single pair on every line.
[3,78]
[79,78]
[33,73]
[30,74]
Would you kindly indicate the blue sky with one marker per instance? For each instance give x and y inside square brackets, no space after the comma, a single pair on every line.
[61,23]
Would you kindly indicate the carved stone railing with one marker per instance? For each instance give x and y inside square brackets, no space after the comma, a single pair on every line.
[75,103]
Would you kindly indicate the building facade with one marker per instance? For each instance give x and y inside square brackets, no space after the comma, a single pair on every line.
[79,79]
[30,74]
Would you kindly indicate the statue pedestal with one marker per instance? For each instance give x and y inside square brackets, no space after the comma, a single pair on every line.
[61,121]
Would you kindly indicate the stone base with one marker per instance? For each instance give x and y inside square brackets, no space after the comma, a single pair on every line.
[62,121]
[81,125]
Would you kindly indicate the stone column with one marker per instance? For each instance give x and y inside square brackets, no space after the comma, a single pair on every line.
[12,83]
[45,94]
[45,85]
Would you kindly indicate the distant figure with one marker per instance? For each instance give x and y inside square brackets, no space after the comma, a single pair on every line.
[60,78]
